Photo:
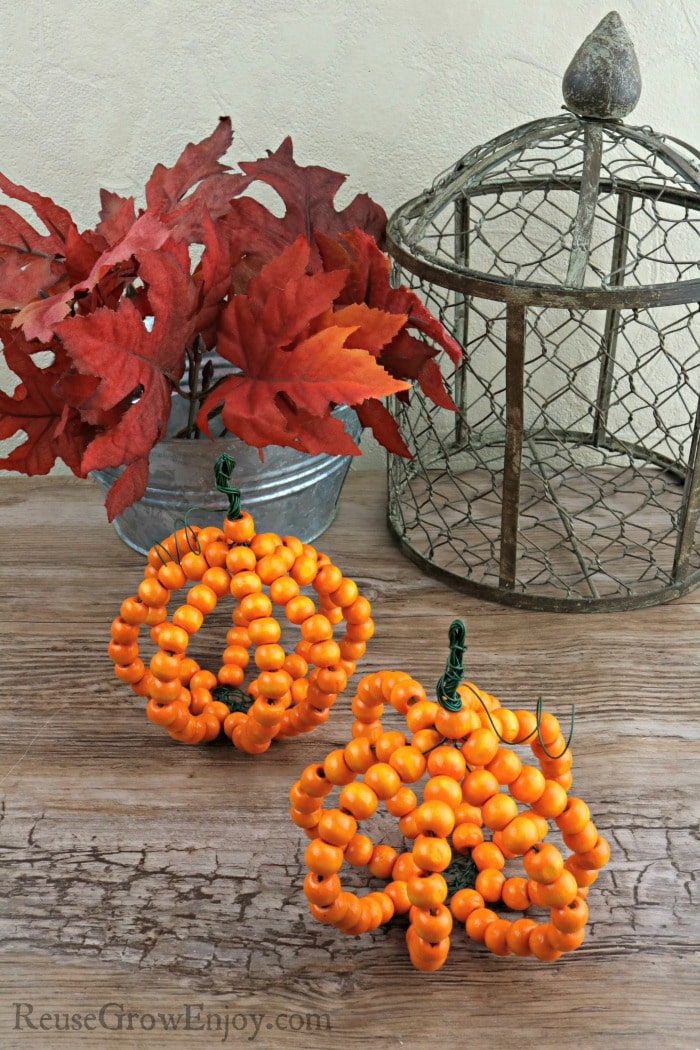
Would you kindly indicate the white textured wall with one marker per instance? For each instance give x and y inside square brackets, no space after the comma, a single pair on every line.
[94,92]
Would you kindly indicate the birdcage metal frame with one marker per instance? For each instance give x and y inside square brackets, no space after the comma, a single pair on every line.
[619,176]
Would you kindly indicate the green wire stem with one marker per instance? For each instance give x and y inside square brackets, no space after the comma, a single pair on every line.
[446,687]
[223,469]
[448,697]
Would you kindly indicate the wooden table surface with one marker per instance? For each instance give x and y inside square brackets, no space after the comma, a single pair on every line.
[153,891]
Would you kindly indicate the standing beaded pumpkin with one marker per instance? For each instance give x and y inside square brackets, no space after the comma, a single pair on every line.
[292,692]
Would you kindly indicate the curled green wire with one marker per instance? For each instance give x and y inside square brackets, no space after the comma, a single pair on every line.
[538,715]
[163,552]
[448,697]
[537,730]
[190,534]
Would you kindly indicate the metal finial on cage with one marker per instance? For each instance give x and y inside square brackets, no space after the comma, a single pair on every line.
[603,80]
[563,256]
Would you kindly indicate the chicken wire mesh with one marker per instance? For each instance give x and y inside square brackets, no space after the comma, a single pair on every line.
[564,257]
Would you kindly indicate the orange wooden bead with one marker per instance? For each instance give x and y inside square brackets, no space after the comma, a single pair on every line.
[239,530]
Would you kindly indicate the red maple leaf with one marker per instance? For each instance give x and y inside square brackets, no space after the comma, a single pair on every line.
[33,265]
[197,186]
[369,281]
[314,433]
[117,216]
[406,356]
[40,318]
[81,252]
[30,262]
[18,233]
[374,328]
[308,195]
[21,277]
[136,369]
[212,276]
[127,488]
[376,417]
[199,160]
[291,373]
[52,429]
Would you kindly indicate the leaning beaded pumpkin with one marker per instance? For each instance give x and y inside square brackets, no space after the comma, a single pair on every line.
[472,787]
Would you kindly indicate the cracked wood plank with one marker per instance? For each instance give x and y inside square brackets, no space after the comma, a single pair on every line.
[168,879]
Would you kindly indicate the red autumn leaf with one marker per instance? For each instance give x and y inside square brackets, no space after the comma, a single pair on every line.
[52,429]
[314,375]
[369,280]
[55,218]
[315,434]
[30,262]
[128,487]
[374,329]
[199,160]
[136,368]
[377,418]
[412,358]
[399,352]
[81,255]
[432,383]
[21,277]
[199,173]
[39,319]
[290,374]
[117,216]
[18,235]
[308,195]
[369,273]
[213,278]
[279,305]
[41,258]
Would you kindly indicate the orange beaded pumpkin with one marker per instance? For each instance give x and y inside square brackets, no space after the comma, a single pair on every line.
[290,692]
[481,808]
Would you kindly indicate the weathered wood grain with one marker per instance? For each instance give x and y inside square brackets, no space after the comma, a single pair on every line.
[168,879]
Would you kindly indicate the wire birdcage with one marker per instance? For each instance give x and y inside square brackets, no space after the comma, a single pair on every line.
[564,257]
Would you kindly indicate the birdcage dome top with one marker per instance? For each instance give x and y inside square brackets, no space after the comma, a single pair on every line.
[539,206]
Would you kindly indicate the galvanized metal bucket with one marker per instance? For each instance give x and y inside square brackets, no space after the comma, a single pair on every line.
[289,492]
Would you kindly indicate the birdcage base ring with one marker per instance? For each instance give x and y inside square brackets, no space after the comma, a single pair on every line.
[597,525]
